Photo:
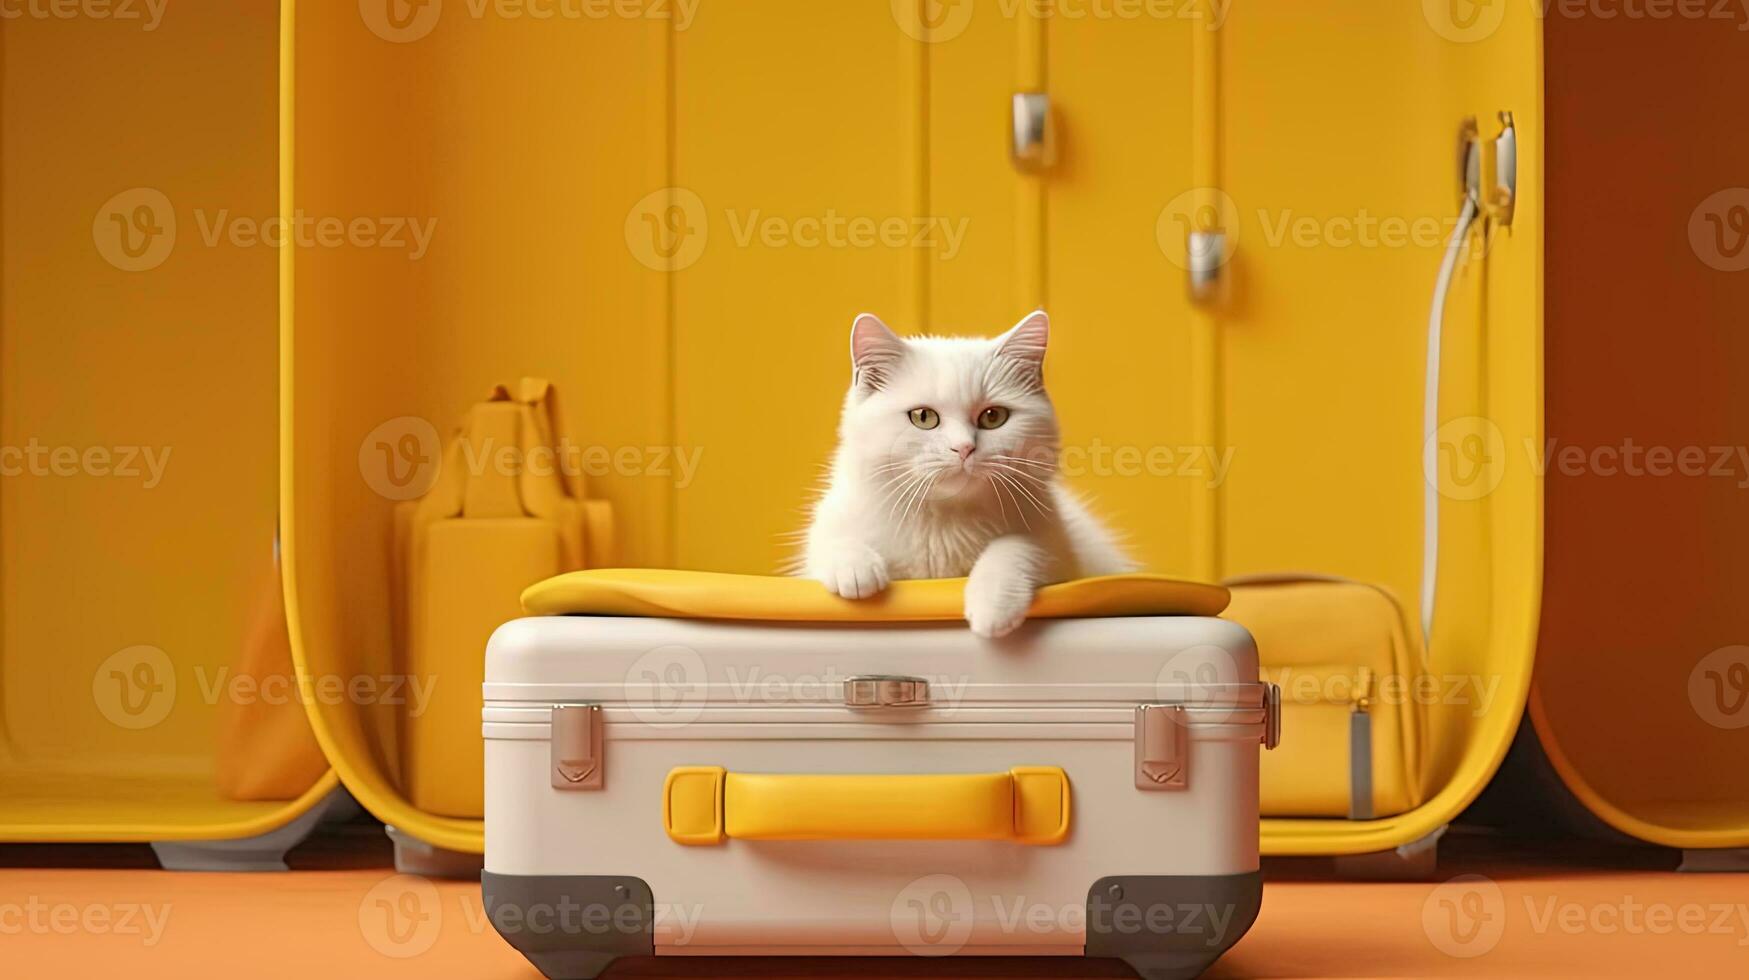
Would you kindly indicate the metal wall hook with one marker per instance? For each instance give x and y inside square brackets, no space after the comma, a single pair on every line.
[1205,253]
[1469,160]
[1500,172]
[1488,169]
[1033,144]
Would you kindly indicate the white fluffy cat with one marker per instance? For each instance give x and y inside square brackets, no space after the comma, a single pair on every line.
[946,466]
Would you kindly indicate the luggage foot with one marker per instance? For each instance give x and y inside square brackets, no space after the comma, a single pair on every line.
[264,852]
[571,927]
[1170,966]
[415,857]
[1723,859]
[1170,927]
[1414,861]
[572,965]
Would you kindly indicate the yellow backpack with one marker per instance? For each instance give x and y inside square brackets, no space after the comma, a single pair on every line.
[507,509]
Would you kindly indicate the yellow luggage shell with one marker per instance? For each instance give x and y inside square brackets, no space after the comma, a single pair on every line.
[1641,700]
[137,576]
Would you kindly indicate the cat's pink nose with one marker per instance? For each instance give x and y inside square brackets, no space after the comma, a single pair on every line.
[964,449]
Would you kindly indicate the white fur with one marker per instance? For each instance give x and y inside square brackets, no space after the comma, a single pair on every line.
[902,502]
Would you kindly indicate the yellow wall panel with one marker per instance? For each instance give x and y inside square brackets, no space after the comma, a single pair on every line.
[1120,368]
[971,76]
[793,120]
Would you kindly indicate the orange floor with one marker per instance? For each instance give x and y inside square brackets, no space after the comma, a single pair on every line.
[1508,914]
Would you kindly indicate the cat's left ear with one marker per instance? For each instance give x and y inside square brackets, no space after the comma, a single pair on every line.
[874,351]
[1025,341]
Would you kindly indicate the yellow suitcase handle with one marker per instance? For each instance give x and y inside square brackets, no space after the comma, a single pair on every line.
[706,805]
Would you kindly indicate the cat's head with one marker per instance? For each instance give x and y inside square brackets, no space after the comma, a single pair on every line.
[951,417]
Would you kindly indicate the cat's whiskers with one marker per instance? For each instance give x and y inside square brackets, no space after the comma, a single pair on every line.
[896,479]
[1020,484]
[918,497]
[1017,485]
[1001,508]
[1018,509]
[892,498]
[1031,478]
[1047,468]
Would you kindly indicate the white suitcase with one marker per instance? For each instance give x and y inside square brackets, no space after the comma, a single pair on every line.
[1083,787]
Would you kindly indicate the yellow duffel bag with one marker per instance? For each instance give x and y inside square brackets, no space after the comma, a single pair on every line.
[1353,694]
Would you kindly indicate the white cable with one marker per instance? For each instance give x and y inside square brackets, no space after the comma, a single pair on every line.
[1430,420]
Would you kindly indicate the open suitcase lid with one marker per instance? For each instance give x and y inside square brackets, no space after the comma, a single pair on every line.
[659,592]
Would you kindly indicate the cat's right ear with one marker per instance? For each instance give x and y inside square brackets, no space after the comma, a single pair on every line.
[874,351]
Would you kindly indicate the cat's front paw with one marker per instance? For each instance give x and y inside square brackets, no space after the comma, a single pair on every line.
[993,610]
[855,573]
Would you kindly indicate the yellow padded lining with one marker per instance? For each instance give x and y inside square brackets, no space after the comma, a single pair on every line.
[715,595]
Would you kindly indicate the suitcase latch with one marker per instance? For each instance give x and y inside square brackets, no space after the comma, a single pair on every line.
[1271,716]
[1162,747]
[576,746]
[880,691]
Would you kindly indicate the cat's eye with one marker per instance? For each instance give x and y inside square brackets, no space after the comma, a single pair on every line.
[925,418]
[992,417]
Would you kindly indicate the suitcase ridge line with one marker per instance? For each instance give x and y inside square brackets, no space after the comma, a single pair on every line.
[577,738]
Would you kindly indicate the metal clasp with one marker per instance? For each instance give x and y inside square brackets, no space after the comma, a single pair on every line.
[576,746]
[1162,747]
[881,691]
